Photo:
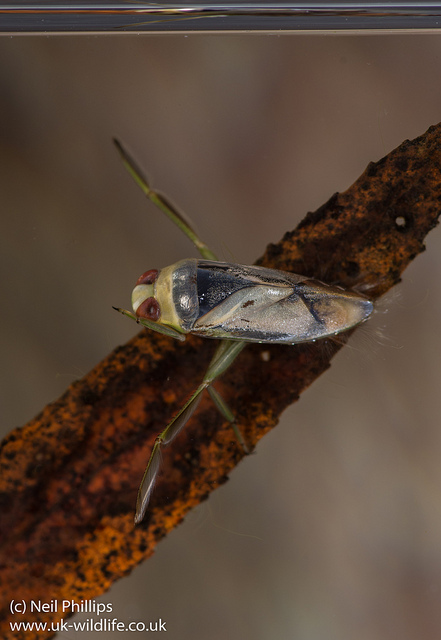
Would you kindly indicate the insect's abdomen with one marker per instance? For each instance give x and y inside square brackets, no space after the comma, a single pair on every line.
[264,305]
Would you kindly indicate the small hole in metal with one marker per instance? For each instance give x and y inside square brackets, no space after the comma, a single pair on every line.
[400,222]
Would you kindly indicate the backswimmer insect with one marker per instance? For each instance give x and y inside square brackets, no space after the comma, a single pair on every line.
[234,303]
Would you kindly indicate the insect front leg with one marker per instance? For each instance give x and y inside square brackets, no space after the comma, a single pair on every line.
[224,356]
[152,326]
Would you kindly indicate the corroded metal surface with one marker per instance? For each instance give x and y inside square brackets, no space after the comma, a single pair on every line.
[69,477]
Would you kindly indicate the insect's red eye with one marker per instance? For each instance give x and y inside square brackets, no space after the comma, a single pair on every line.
[148,277]
[149,309]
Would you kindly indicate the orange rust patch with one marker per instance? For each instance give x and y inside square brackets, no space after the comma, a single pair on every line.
[68,479]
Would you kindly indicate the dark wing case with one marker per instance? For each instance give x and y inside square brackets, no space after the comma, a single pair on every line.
[265,305]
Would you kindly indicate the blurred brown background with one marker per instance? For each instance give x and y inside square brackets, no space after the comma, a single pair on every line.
[333,529]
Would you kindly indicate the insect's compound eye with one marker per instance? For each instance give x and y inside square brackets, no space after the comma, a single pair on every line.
[149,277]
[149,309]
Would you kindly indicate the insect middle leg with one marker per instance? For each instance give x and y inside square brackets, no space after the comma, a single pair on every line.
[226,412]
